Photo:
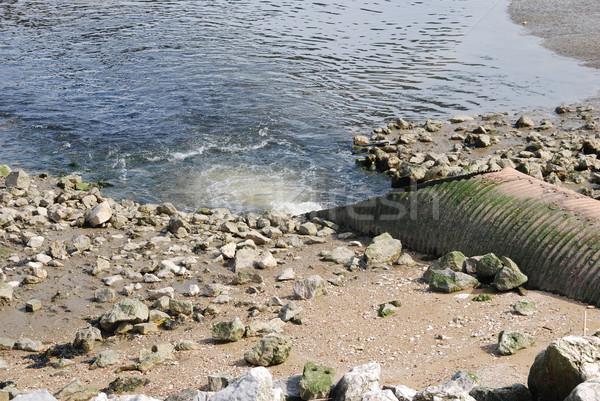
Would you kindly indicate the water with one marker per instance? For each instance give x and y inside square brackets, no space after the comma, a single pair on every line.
[252,104]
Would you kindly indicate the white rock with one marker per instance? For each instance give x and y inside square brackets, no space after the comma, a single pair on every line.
[111,280]
[357,382]
[193,290]
[255,385]
[43,258]
[266,260]
[151,278]
[35,242]
[228,250]
[100,214]
[287,274]
[38,395]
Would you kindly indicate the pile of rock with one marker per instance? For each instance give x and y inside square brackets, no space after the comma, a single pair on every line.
[468,144]
[455,272]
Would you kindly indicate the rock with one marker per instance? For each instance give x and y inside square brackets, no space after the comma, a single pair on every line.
[388,308]
[272,349]
[286,275]
[33,305]
[166,293]
[289,387]
[86,338]
[562,366]
[181,307]
[161,353]
[266,260]
[356,383]
[310,288]
[105,359]
[219,381]
[189,394]
[509,342]
[488,266]
[258,328]
[360,140]
[454,261]
[126,384]
[383,249]
[6,292]
[99,214]
[509,277]
[401,392]
[74,387]
[36,242]
[457,389]
[451,281]
[525,307]
[18,179]
[25,344]
[128,310]
[37,395]
[586,391]
[228,250]
[255,385]
[6,343]
[187,345]
[461,118]
[105,295]
[145,328]
[257,237]
[316,381]
[231,330]
[515,392]
[525,122]
[3,365]
[339,255]
[289,311]
[245,259]
[308,229]
[405,260]
[82,243]
[379,395]
[4,170]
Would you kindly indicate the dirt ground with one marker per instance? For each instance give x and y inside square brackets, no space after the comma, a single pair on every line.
[430,338]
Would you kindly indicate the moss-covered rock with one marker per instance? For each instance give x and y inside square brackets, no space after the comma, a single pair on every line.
[316,381]
[451,281]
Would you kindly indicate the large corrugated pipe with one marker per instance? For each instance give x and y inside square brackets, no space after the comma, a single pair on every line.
[552,233]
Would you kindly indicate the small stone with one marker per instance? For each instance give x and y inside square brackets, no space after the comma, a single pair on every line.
[25,344]
[105,359]
[126,384]
[145,328]
[181,307]
[33,305]
[228,250]
[286,275]
[525,122]
[308,229]
[289,311]
[310,288]
[99,214]
[316,381]
[525,307]
[4,170]
[6,292]
[339,255]
[127,310]
[187,345]
[449,281]
[383,249]
[388,308]
[405,260]
[509,342]
[36,242]
[6,343]
[231,330]
[272,349]
[105,295]
[509,277]
[86,338]
[18,179]
[266,260]
[219,381]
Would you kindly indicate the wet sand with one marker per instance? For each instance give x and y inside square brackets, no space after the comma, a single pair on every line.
[569,28]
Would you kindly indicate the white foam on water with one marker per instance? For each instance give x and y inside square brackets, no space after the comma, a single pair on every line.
[177,156]
[245,187]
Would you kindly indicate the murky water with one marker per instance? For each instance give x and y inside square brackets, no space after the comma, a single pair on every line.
[252,104]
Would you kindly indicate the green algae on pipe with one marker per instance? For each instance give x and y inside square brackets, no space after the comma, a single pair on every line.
[551,232]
